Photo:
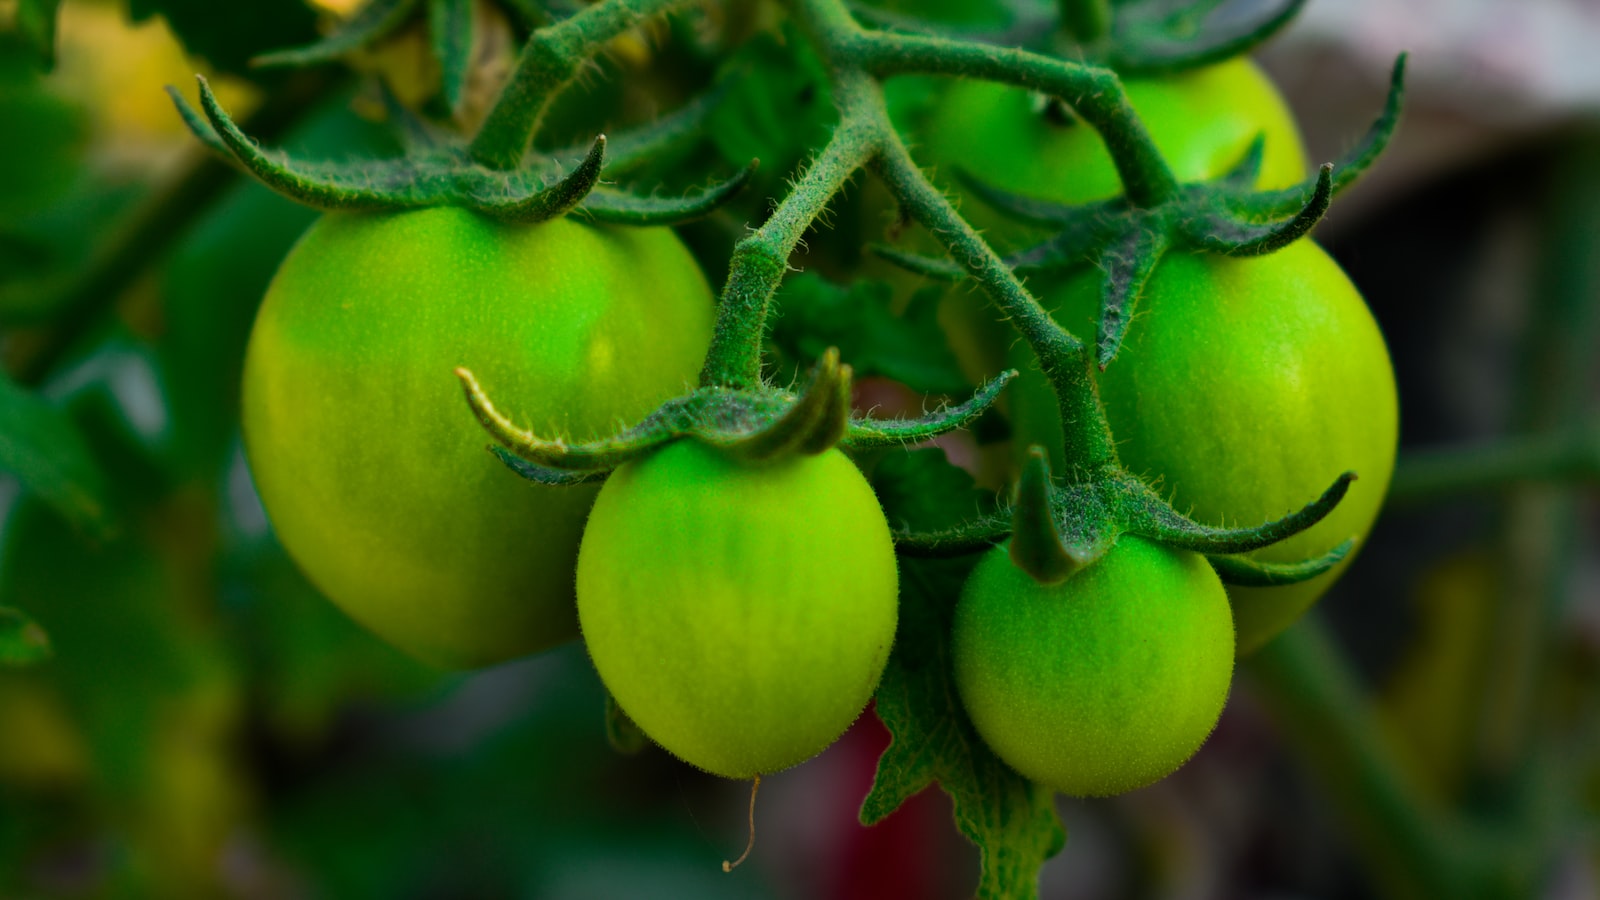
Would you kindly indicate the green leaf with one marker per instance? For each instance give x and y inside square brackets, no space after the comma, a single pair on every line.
[1012,820]
[44,449]
[815,314]
[22,641]
[32,23]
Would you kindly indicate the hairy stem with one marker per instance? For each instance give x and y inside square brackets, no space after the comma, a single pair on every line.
[549,62]
[761,259]
[1095,93]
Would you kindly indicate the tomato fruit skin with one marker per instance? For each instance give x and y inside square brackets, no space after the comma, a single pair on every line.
[740,613]
[367,459]
[1202,121]
[1244,387]
[1101,684]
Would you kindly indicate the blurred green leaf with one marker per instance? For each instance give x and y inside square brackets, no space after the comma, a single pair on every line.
[1012,820]
[815,314]
[33,25]
[228,35]
[44,449]
[22,641]
[625,736]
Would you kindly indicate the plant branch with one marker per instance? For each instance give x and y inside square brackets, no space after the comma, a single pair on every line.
[549,62]
[1095,93]
[761,259]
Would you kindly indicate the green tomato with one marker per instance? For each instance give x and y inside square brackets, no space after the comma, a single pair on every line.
[368,461]
[1101,684]
[1243,389]
[741,614]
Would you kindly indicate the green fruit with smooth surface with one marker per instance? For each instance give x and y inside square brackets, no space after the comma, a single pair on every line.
[371,466]
[1244,387]
[741,614]
[1103,683]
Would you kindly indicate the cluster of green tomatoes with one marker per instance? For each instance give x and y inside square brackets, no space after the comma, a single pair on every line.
[742,613]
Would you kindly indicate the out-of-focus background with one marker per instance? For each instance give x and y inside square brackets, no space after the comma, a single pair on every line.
[211,727]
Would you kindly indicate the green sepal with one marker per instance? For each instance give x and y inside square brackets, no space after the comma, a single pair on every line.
[372,22]
[867,433]
[542,475]
[622,208]
[1244,572]
[22,641]
[1160,522]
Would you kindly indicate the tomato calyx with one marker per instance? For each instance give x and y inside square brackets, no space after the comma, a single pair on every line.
[1127,241]
[1058,528]
[758,425]
[446,175]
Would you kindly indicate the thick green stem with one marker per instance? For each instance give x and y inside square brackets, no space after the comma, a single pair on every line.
[1316,701]
[1095,93]
[1559,457]
[1085,21]
[1065,360]
[552,58]
[761,259]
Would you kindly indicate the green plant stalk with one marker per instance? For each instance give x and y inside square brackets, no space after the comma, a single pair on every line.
[761,259]
[1317,702]
[1096,94]
[1085,21]
[1555,457]
[551,59]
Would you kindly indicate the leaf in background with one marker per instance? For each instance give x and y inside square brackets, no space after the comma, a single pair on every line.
[228,35]
[22,641]
[815,314]
[1012,820]
[33,25]
[625,737]
[47,453]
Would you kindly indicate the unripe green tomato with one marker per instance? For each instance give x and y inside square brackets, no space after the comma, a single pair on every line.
[740,613]
[1244,387]
[1103,683]
[371,466]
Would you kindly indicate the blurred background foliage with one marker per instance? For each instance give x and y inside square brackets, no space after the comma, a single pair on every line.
[208,726]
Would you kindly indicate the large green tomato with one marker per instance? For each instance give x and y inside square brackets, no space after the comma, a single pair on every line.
[740,614]
[371,466]
[1103,683]
[1243,389]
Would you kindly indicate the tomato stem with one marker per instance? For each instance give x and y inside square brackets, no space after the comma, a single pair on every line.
[549,62]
